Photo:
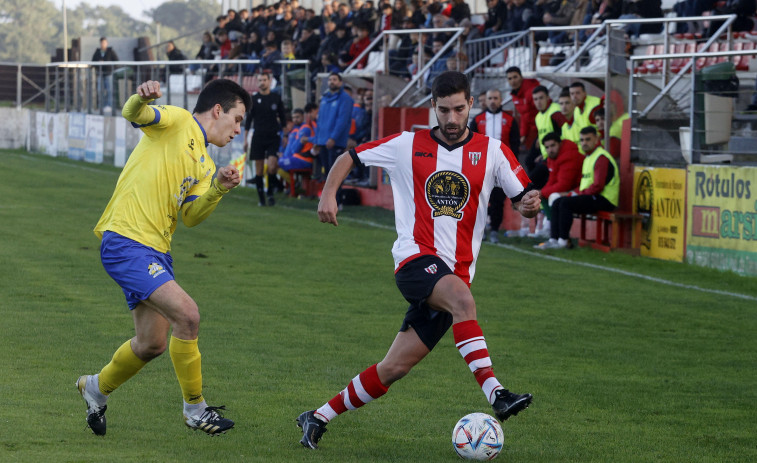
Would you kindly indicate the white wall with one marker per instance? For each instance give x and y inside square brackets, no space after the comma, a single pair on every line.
[14,127]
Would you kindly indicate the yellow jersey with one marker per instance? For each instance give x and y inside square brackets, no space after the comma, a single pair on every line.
[168,170]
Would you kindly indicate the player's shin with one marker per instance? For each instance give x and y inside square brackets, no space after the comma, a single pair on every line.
[186,360]
[122,366]
[469,340]
[363,388]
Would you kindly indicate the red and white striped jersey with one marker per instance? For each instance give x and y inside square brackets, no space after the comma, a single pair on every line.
[441,192]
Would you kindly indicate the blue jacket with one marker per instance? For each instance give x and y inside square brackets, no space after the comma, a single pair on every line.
[334,118]
[362,124]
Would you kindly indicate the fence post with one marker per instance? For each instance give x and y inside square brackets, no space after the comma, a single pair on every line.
[168,84]
[18,86]
[47,89]
[632,107]
[307,82]
[532,46]
[692,113]
[666,49]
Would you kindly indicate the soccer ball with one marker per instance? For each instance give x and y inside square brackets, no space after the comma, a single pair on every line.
[477,436]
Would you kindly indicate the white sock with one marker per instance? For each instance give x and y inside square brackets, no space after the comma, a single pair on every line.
[93,388]
[552,240]
[562,242]
[194,409]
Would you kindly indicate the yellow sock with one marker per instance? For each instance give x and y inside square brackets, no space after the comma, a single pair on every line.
[123,366]
[285,175]
[186,362]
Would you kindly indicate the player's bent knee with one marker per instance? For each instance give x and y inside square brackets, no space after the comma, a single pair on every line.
[389,372]
[463,307]
[187,324]
[148,350]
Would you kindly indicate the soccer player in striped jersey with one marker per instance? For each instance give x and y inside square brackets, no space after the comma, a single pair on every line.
[441,180]
[169,176]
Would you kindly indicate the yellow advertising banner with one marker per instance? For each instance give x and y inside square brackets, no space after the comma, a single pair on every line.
[660,196]
[239,163]
[722,218]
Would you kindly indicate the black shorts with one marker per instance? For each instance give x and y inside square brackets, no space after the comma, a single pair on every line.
[416,280]
[264,146]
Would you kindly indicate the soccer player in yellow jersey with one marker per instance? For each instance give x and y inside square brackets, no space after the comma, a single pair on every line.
[168,175]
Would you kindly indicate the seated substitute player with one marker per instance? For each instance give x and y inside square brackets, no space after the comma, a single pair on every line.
[598,190]
[297,152]
[441,180]
[168,176]
[564,163]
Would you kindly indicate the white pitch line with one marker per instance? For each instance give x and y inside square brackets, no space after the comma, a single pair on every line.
[627,273]
[368,223]
[565,261]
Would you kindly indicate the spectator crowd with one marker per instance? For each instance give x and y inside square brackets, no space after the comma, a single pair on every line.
[554,140]
[333,39]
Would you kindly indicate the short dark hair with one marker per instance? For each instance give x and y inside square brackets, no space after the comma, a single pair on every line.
[565,92]
[513,69]
[266,72]
[589,129]
[224,92]
[338,76]
[450,83]
[578,85]
[551,136]
[298,111]
[310,107]
[600,112]
[540,89]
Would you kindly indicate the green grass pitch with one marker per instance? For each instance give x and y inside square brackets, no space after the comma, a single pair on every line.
[628,359]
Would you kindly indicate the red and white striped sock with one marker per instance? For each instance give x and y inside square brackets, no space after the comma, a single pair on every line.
[469,340]
[362,389]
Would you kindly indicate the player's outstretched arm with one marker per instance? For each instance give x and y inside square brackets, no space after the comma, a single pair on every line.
[198,209]
[327,207]
[136,110]
[530,204]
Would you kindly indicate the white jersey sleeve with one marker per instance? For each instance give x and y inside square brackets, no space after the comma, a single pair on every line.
[508,173]
[381,153]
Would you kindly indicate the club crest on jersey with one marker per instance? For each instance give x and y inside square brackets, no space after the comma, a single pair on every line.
[431,269]
[447,193]
[474,156]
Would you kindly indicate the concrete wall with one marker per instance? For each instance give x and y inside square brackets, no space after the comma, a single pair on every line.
[14,127]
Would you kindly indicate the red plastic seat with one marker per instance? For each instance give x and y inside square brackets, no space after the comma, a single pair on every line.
[742,61]
[700,63]
[677,63]
[723,47]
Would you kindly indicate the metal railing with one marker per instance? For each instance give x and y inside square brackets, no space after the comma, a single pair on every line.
[102,87]
[22,84]
[725,28]
[717,131]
